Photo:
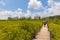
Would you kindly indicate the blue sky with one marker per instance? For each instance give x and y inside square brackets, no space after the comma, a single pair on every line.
[27,8]
[23,4]
[15,4]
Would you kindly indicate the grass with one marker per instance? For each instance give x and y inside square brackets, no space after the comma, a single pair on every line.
[54,28]
[19,29]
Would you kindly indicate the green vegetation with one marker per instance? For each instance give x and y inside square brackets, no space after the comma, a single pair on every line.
[25,29]
[55,30]
[54,27]
[19,29]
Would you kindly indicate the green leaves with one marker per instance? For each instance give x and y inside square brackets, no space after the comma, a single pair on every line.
[55,30]
[19,29]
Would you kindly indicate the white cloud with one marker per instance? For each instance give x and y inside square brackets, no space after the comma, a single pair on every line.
[27,14]
[50,2]
[54,9]
[18,13]
[5,14]
[35,4]
[2,3]
[19,9]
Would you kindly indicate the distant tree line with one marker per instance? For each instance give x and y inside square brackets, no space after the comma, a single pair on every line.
[21,18]
[52,18]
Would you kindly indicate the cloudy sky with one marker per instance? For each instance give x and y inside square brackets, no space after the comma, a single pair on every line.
[26,8]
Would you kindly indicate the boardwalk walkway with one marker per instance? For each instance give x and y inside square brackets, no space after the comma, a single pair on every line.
[44,34]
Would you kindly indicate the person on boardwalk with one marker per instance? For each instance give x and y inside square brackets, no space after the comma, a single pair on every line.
[43,34]
[44,23]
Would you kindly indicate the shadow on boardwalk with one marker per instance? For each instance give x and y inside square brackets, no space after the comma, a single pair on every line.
[44,34]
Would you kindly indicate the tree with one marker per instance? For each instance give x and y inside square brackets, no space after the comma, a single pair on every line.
[37,17]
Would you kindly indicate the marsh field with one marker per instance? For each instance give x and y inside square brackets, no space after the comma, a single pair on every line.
[27,29]
[19,29]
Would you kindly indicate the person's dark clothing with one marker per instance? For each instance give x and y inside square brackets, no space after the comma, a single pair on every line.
[44,23]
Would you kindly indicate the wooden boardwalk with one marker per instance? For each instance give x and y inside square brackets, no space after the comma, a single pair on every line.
[44,34]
